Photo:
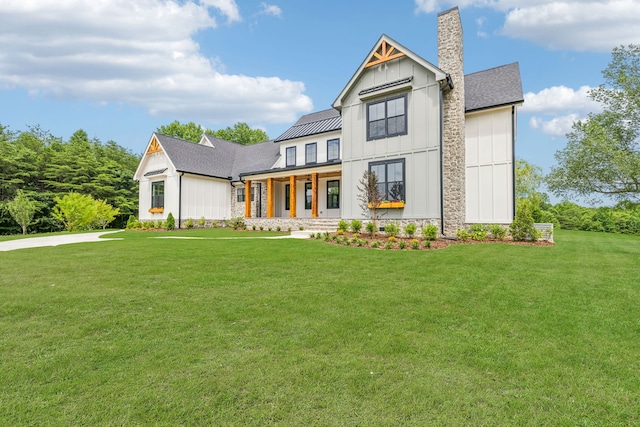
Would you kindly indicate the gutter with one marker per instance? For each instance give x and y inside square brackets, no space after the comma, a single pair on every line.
[442,156]
[513,157]
[180,200]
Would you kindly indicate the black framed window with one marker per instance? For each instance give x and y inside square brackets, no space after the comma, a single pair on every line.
[391,178]
[241,192]
[387,117]
[287,197]
[333,194]
[157,194]
[308,195]
[311,153]
[291,156]
[333,150]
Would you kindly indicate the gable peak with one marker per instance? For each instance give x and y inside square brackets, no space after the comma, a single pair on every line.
[384,52]
[154,146]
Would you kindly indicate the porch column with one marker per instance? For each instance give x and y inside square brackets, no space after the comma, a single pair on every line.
[314,195]
[292,196]
[269,197]
[247,199]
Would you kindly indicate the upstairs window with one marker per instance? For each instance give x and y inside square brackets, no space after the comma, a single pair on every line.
[291,156]
[310,153]
[387,117]
[333,150]
[390,174]
[157,194]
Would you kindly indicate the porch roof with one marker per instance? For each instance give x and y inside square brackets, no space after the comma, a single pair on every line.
[333,166]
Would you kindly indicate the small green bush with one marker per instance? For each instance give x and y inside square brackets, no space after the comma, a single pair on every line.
[201,222]
[343,225]
[132,221]
[415,244]
[356,226]
[522,227]
[253,227]
[392,229]
[388,245]
[402,244]
[278,228]
[430,232]
[262,228]
[149,224]
[427,244]
[214,224]
[188,223]
[410,229]
[375,244]
[497,231]
[171,222]
[478,232]
[236,223]
[462,235]
[371,228]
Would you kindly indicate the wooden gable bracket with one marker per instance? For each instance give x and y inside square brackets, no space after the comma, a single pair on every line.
[154,147]
[384,53]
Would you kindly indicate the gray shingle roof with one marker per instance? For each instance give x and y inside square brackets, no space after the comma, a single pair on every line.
[493,87]
[312,124]
[225,160]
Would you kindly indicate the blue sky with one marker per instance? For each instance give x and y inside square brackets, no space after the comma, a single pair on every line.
[119,69]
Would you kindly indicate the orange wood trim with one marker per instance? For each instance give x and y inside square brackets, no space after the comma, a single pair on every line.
[292,196]
[156,210]
[154,147]
[314,195]
[269,197]
[383,54]
[247,199]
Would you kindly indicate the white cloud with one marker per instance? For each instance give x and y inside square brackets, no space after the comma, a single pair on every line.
[556,126]
[585,25]
[229,8]
[556,108]
[558,99]
[270,9]
[138,52]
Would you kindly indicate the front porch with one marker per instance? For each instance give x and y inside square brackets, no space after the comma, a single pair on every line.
[311,192]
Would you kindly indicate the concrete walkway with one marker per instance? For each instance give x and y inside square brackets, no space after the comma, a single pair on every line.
[65,239]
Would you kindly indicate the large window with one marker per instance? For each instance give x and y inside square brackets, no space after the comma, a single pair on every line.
[333,194]
[387,117]
[333,150]
[287,197]
[310,153]
[308,195]
[157,194]
[291,156]
[390,174]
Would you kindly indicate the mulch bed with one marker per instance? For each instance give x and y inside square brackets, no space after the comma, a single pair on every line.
[382,239]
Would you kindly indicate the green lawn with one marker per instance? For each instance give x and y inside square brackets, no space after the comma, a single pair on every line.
[147,331]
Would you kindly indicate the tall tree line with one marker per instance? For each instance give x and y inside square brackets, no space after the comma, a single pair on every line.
[45,167]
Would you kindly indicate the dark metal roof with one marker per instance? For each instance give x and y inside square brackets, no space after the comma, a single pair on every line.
[492,88]
[312,124]
[385,86]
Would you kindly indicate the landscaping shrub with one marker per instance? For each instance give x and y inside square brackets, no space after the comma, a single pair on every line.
[462,234]
[497,231]
[371,228]
[188,223]
[132,222]
[430,232]
[171,222]
[392,229]
[356,226]
[343,226]
[202,222]
[410,229]
[522,227]
[478,232]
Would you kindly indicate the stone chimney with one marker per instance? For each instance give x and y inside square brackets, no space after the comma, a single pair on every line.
[450,60]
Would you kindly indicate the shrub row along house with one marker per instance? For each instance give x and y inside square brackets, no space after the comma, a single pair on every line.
[441,143]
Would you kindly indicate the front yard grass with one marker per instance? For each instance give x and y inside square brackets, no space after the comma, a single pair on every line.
[145,331]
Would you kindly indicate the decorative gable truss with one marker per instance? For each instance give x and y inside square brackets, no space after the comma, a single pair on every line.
[385,52]
[154,146]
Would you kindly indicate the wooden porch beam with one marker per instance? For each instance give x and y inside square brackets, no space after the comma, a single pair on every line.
[247,199]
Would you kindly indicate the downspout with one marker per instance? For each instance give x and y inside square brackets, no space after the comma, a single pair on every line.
[513,157]
[180,200]
[441,164]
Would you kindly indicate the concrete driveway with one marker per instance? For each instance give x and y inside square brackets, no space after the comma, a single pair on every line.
[36,242]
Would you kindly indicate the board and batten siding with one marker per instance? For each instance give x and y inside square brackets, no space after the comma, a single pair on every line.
[154,162]
[420,147]
[489,167]
[205,197]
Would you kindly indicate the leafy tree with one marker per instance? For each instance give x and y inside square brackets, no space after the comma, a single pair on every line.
[528,179]
[187,131]
[22,209]
[602,156]
[105,213]
[76,211]
[242,134]
[369,195]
